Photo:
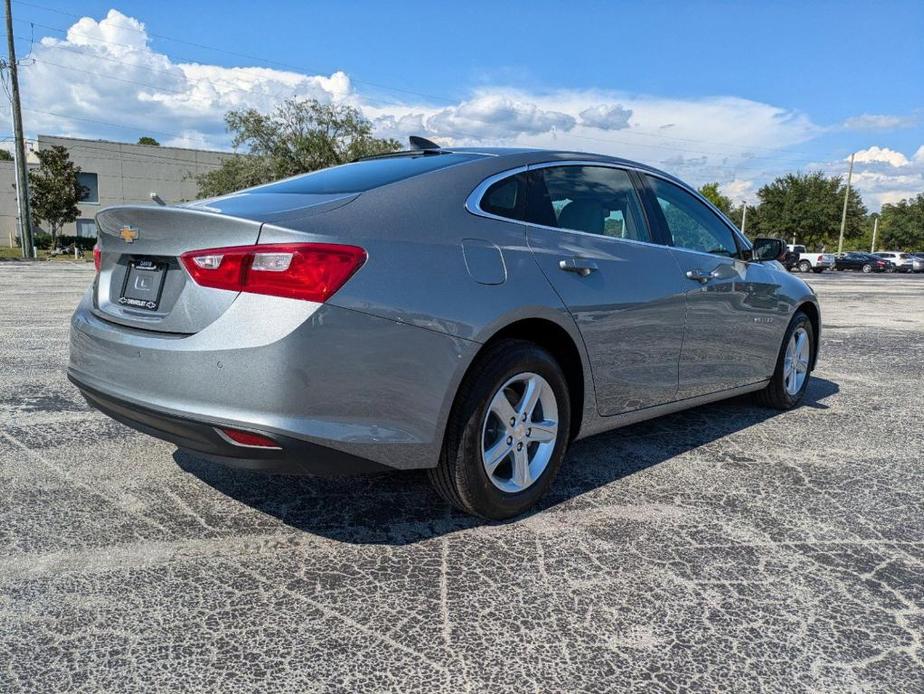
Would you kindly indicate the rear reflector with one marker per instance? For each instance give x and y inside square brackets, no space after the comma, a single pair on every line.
[248,438]
[97,257]
[308,271]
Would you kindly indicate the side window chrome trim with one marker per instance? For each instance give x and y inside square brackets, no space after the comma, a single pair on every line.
[473,201]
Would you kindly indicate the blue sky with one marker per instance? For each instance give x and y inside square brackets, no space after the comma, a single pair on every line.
[737,92]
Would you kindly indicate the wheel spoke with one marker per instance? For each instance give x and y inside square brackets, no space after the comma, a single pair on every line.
[501,407]
[543,431]
[521,474]
[531,395]
[495,455]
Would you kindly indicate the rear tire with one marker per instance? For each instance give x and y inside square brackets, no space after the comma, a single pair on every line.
[804,266]
[782,393]
[475,429]
[867,268]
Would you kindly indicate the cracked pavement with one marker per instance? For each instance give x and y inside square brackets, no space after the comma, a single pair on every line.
[727,548]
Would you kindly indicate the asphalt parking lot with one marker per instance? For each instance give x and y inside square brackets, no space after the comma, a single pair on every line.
[728,548]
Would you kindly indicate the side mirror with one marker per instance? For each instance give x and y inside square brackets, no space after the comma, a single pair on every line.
[768,249]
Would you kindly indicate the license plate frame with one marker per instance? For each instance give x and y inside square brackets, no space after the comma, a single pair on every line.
[143,284]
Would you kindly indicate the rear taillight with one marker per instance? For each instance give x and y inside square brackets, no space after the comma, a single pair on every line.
[97,257]
[308,271]
[821,258]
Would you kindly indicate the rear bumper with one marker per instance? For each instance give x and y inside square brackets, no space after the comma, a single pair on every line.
[294,456]
[319,378]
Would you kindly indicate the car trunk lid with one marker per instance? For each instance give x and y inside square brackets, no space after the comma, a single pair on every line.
[142,283]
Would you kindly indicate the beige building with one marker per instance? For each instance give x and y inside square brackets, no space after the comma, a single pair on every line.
[114,173]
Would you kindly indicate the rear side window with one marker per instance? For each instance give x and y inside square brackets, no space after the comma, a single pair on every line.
[364,175]
[506,198]
[593,199]
[692,225]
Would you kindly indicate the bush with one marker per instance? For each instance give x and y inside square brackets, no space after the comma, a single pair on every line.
[41,240]
[82,242]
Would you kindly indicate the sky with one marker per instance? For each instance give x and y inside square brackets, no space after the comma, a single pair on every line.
[734,92]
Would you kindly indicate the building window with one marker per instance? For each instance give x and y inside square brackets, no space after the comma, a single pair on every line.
[86,228]
[91,183]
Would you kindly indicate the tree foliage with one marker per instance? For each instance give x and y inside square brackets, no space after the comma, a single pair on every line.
[5,155]
[301,135]
[711,192]
[901,224]
[145,140]
[807,207]
[54,190]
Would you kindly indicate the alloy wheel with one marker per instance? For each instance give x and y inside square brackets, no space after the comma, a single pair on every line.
[519,432]
[796,361]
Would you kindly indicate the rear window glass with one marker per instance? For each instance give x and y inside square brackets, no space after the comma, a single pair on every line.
[364,175]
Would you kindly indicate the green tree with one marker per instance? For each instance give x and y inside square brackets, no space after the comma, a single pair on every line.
[54,190]
[5,155]
[711,192]
[808,207]
[298,137]
[145,140]
[901,225]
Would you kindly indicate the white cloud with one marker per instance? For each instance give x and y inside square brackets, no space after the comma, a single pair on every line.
[869,121]
[881,154]
[105,72]
[606,117]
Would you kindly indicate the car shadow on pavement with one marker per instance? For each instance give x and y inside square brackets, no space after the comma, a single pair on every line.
[400,508]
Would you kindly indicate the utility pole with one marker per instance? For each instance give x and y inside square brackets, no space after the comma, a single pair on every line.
[872,248]
[744,215]
[22,178]
[840,243]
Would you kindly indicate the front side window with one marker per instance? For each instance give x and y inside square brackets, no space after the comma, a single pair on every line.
[692,225]
[592,199]
[90,182]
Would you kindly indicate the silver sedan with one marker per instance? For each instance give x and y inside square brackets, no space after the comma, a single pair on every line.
[468,311]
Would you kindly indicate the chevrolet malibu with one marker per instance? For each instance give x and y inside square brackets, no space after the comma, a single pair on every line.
[467,311]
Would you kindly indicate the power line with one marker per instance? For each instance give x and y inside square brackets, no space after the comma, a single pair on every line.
[304,70]
[669,148]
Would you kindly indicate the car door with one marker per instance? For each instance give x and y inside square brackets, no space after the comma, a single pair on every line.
[588,232]
[734,317]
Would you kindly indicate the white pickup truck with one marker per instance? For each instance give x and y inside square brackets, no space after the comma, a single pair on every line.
[816,262]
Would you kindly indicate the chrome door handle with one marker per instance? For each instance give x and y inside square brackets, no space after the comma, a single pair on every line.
[700,275]
[581,266]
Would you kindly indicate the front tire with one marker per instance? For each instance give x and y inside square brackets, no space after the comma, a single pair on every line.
[818,270]
[793,366]
[507,432]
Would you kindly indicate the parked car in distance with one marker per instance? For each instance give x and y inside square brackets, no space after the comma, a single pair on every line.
[470,311]
[917,261]
[864,262]
[903,262]
[816,262]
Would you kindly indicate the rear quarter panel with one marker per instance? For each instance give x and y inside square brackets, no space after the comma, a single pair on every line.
[416,274]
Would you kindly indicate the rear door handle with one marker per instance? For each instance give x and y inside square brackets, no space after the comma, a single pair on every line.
[581,266]
[700,275]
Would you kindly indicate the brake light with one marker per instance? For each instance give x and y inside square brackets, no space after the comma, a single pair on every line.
[97,257]
[308,271]
[249,438]
[821,258]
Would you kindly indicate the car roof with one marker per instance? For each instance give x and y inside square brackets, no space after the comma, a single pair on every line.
[521,156]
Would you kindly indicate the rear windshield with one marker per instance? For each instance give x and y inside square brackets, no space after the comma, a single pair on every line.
[364,175]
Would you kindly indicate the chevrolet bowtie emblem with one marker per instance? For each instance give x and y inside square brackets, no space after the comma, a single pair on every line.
[128,234]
